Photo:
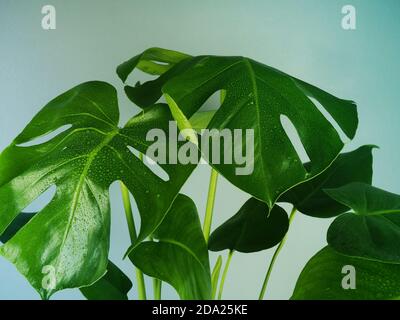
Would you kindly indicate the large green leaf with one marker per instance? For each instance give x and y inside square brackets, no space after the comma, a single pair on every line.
[321,278]
[179,255]
[251,229]
[257,96]
[309,197]
[372,230]
[70,236]
[115,285]
[154,61]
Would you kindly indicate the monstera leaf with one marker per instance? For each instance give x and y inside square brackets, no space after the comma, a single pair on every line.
[259,97]
[252,229]
[372,230]
[115,285]
[69,239]
[179,255]
[310,198]
[324,278]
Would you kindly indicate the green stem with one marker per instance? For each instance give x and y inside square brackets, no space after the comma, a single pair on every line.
[132,233]
[274,257]
[157,285]
[210,204]
[228,262]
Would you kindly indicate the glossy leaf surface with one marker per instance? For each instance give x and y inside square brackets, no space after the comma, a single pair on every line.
[251,229]
[70,237]
[179,255]
[310,198]
[321,279]
[115,285]
[372,230]
[22,219]
[257,96]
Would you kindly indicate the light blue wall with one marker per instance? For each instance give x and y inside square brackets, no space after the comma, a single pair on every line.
[303,38]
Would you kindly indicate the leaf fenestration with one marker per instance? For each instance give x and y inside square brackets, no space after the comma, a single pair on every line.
[256,97]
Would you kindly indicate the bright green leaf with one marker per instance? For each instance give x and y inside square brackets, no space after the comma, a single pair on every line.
[69,239]
[183,123]
[372,231]
[251,229]
[179,255]
[155,61]
[322,277]
[309,197]
[115,285]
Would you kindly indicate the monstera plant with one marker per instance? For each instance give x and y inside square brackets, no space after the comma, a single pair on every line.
[66,244]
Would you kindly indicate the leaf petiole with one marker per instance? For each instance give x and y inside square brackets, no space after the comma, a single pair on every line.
[274,257]
[210,204]
[132,233]
[215,277]
[228,262]
[157,286]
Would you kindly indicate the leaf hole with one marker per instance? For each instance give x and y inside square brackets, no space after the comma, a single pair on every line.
[151,164]
[161,63]
[42,201]
[294,137]
[46,137]
[115,188]
[330,119]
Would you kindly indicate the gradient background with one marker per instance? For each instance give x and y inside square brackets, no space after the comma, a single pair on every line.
[303,38]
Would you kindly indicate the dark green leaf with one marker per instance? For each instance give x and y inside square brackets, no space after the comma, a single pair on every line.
[366,200]
[115,285]
[251,229]
[372,231]
[70,236]
[179,256]
[321,279]
[257,96]
[309,197]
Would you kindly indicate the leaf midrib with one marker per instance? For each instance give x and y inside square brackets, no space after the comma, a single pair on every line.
[78,190]
[257,108]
